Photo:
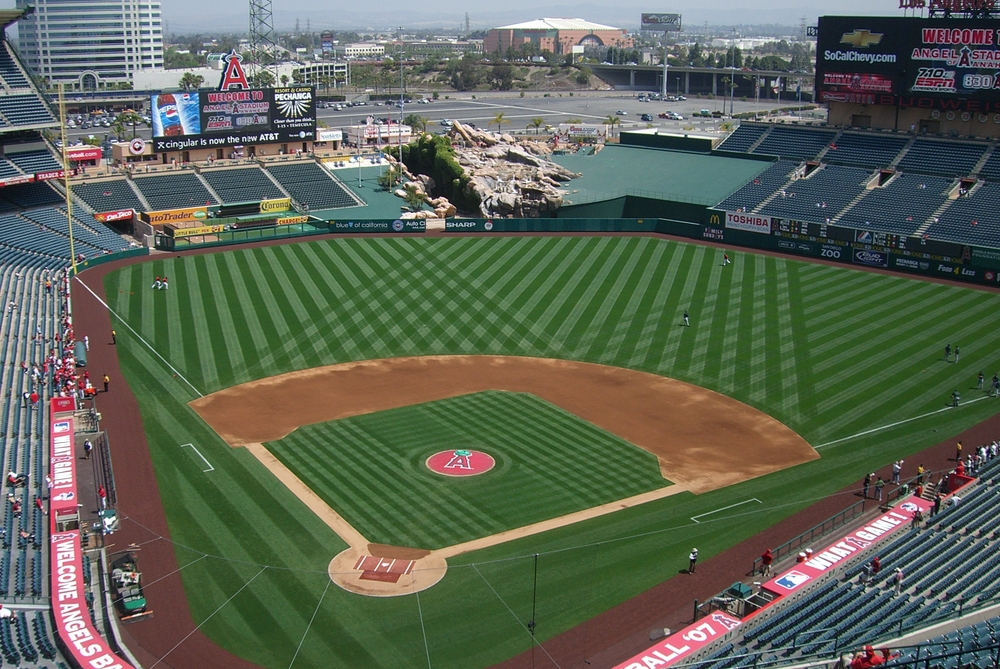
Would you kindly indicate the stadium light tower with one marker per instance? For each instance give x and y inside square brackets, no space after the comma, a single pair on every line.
[263,48]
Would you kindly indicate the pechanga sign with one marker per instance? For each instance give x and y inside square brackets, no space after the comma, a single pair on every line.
[748,222]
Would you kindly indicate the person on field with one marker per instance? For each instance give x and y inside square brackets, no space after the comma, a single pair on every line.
[879,484]
[687,319]
[725,259]
[947,352]
[867,484]
[692,560]
[156,284]
[957,351]
[956,399]
[897,467]
[166,286]
[107,380]
[981,380]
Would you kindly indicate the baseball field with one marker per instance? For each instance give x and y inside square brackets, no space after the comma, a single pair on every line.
[801,376]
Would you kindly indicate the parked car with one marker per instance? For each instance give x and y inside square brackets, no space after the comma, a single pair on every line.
[707,113]
[646,117]
[446,122]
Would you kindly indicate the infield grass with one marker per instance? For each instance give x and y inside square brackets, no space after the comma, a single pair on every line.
[829,351]
[548,463]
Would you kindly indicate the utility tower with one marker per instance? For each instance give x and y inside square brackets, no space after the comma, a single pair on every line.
[263,48]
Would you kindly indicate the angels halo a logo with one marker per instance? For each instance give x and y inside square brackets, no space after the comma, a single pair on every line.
[460,462]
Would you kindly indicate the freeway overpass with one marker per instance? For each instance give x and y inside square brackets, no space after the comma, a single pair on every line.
[704,80]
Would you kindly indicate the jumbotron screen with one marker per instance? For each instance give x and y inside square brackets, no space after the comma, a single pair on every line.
[205,119]
[930,63]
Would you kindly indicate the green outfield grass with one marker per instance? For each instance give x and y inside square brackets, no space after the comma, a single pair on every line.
[829,351]
[548,463]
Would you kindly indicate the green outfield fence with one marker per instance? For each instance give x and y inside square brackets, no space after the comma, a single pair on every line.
[860,248]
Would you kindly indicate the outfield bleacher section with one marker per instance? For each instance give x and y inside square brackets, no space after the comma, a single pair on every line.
[991,168]
[819,196]
[972,647]
[794,142]
[756,191]
[29,309]
[248,184]
[971,219]
[174,191]
[870,150]
[10,73]
[313,186]
[744,137]
[25,109]
[109,195]
[946,158]
[40,237]
[899,207]
[34,194]
[31,162]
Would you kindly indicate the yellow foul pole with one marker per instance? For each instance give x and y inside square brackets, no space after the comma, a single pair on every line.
[66,172]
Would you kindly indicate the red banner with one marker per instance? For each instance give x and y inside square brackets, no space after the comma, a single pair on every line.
[62,465]
[54,174]
[690,640]
[69,608]
[19,179]
[111,216]
[84,153]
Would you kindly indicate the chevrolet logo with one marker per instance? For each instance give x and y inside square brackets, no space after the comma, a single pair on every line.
[861,39]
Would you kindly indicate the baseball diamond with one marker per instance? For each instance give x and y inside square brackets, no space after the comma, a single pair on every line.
[286,337]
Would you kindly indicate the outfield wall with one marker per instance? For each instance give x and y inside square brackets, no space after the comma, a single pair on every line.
[860,248]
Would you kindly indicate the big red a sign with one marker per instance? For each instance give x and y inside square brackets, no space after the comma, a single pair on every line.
[233,76]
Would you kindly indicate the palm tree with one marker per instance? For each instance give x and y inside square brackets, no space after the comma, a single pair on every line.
[418,123]
[536,123]
[498,121]
[612,120]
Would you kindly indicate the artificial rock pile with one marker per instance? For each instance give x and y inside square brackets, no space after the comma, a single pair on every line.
[511,177]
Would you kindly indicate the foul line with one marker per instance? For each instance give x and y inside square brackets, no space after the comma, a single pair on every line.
[709,513]
[139,337]
[899,422]
[195,448]
[309,626]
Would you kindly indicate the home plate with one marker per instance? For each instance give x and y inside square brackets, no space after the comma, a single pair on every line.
[382,569]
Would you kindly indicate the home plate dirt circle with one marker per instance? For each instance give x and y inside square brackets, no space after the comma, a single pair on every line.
[377,570]
[461,462]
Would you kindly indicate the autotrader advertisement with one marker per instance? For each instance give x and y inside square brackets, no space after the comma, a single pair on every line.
[950,64]
[206,119]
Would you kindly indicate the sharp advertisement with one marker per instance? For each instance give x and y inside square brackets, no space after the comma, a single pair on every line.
[206,119]
[947,64]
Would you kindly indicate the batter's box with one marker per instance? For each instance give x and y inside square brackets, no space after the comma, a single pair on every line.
[387,570]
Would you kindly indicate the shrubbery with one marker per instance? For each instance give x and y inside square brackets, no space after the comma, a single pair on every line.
[434,156]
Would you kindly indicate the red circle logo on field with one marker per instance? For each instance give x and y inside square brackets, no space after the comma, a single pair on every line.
[462,462]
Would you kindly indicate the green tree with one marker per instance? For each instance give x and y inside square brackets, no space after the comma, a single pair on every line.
[499,121]
[583,76]
[502,77]
[390,177]
[262,79]
[191,81]
[414,199]
[536,123]
[612,120]
[284,80]
[416,122]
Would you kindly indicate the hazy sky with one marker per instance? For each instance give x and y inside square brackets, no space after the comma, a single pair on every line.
[198,15]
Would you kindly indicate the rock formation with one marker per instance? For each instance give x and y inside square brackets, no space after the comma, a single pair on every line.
[511,177]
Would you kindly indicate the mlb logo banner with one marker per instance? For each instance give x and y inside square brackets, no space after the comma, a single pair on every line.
[791,580]
[61,426]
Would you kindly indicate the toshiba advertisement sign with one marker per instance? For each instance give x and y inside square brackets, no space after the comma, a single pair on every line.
[748,222]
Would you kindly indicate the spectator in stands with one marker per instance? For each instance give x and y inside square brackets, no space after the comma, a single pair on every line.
[103,494]
[954,500]
[88,446]
[868,659]
[937,505]
[876,566]
[15,507]
[6,614]
[918,517]
[765,563]
[897,581]
[960,469]
[15,479]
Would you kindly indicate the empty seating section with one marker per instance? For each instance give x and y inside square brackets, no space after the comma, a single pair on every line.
[243,185]
[801,143]
[804,199]
[90,239]
[9,71]
[24,110]
[313,186]
[971,219]
[34,161]
[954,159]
[757,190]
[112,195]
[959,648]
[8,169]
[743,137]
[173,191]
[901,206]
[991,168]
[865,149]
[33,194]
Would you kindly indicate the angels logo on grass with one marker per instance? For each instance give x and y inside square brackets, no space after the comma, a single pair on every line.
[461,462]
[792,580]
